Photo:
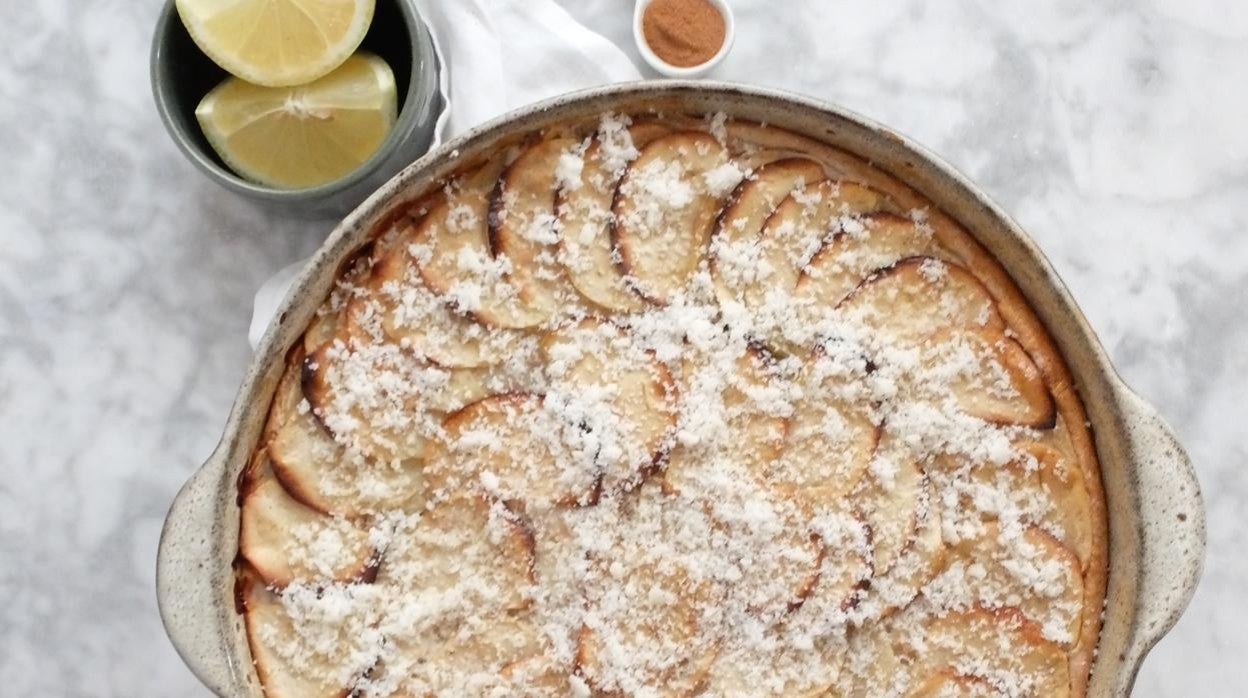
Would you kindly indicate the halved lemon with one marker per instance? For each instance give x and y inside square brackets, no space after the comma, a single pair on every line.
[277,42]
[299,137]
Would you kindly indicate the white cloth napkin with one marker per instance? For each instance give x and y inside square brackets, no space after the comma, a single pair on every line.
[495,55]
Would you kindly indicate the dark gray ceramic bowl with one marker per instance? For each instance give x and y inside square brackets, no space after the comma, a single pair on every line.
[181,75]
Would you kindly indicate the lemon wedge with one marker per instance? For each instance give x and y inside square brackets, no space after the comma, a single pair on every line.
[277,42]
[298,137]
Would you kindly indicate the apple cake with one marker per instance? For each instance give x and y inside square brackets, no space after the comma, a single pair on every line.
[670,405]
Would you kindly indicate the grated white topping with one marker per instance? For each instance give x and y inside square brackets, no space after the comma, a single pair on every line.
[809,470]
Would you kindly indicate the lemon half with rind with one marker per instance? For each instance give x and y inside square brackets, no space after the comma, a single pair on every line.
[304,136]
[277,42]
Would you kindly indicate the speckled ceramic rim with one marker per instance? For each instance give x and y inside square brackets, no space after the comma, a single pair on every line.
[1156,515]
[411,134]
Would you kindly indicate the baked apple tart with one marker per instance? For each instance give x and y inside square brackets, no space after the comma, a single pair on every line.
[672,406]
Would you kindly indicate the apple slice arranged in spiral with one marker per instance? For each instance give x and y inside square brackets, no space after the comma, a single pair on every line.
[276,530]
[994,379]
[843,575]
[451,246]
[512,447]
[498,658]
[860,247]
[323,475]
[735,242]
[912,650]
[830,438]
[891,503]
[616,652]
[919,560]
[620,397]
[664,210]
[584,207]
[720,397]
[413,315]
[351,276]
[941,308]
[524,230]
[1052,488]
[992,643]
[287,395]
[368,397]
[266,619]
[386,402]
[1032,571]
[754,269]
[920,296]
[467,545]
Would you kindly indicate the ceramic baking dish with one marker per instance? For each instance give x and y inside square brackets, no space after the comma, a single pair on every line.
[1156,516]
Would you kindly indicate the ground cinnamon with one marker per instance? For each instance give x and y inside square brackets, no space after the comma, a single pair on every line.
[683,33]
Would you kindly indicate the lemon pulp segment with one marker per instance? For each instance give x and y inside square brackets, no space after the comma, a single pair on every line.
[305,136]
[277,42]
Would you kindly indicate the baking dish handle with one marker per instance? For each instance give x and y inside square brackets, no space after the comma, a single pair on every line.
[1173,524]
[189,589]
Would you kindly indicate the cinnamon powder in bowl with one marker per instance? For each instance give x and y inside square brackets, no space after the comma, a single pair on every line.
[683,38]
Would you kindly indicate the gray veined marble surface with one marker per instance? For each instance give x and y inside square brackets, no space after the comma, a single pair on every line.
[1116,132]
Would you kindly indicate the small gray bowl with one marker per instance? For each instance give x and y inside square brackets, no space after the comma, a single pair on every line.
[181,76]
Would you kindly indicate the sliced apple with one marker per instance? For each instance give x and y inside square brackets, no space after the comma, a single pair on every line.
[286,541]
[889,501]
[791,562]
[920,559]
[664,209]
[620,398]
[467,547]
[269,630]
[860,247]
[287,395]
[919,297]
[988,375]
[728,429]
[799,226]
[452,389]
[320,473]
[902,654]
[452,249]
[996,645]
[783,667]
[524,228]
[947,682]
[776,535]
[411,314]
[540,676]
[351,274]
[452,656]
[584,208]
[654,648]
[559,558]
[873,666]
[368,396]
[1049,477]
[735,242]
[831,437]
[513,447]
[844,574]
[1031,571]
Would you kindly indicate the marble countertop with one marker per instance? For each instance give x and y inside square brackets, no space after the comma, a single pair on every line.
[1114,132]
